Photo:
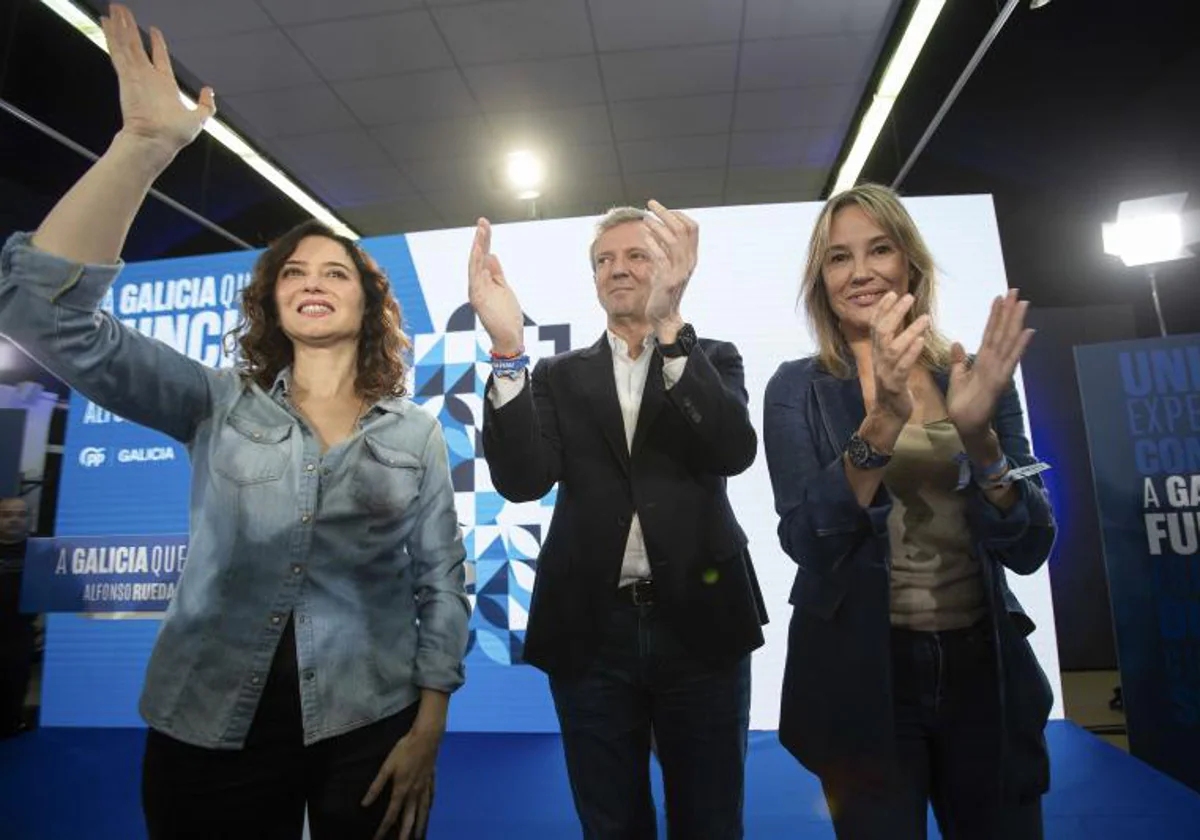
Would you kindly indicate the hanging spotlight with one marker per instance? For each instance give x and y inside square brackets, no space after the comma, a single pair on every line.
[525,174]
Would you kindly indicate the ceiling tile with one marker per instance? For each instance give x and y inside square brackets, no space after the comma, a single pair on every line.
[465,138]
[531,85]
[824,143]
[776,179]
[182,20]
[644,186]
[373,46]
[406,214]
[457,175]
[786,18]
[553,129]
[592,201]
[355,187]
[330,152]
[645,74]
[735,197]
[462,209]
[312,109]
[292,12]
[637,24]
[515,30]
[250,61]
[433,94]
[666,153]
[795,108]
[770,148]
[671,117]
[807,62]
[579,165]
[567,171]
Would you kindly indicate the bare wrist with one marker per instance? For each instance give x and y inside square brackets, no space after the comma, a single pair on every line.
[428,730]
[983,448]
[667,330]
[150,157]
[507,347]
[432,713]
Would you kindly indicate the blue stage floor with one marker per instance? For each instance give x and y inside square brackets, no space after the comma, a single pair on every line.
[83,783]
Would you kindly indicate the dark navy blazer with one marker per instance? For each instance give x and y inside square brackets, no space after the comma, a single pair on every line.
[565,427]
[836,716]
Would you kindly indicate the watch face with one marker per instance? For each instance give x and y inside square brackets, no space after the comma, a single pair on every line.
[686,337]
[863,456]
[858,451]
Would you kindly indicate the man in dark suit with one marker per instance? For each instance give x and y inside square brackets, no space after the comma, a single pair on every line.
[646,607]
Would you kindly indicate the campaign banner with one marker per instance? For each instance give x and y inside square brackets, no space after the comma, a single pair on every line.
[122,478]
[1141,402]
[102,574]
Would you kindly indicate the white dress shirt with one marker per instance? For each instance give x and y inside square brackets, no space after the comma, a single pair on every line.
[630,375]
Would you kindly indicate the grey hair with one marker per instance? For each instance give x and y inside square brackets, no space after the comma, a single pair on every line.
[614,217]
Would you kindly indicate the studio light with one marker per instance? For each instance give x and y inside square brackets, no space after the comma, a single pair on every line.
[525,174]
[1151,231]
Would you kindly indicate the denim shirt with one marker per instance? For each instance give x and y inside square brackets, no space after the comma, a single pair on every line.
[360,545]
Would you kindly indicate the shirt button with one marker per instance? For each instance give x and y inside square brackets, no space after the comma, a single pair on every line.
[275,619]
[311,467]
[296,569]
[255,680]
[256,435]
[306,518]
[308,675]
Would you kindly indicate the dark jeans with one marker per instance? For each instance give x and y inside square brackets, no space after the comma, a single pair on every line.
[643,678]
[260,792]
[947,705]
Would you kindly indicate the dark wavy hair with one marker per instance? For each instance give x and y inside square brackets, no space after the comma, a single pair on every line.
[266,349]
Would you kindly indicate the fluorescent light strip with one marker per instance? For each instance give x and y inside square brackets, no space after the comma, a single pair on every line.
[218,130]
[901,64]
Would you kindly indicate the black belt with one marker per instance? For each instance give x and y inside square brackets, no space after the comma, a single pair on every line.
[640,593]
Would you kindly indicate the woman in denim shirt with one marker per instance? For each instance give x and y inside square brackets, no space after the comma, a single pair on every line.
[909,679]
[319,628]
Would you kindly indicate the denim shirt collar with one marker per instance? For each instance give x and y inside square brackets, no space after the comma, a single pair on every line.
[283,383]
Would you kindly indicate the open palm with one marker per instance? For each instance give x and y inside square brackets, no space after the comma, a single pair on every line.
[491,297]
[672,238]
[976,386]
[150,103]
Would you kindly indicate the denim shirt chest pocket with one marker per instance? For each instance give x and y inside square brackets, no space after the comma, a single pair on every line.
[386,480]
[249,451]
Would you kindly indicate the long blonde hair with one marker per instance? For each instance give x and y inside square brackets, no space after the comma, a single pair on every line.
[883,206]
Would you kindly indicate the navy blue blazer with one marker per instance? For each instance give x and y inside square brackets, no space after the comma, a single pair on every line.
[836,716]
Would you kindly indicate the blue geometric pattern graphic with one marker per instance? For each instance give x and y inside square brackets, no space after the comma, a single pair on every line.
[502,539]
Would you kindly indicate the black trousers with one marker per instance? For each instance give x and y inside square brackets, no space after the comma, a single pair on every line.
[260,792]
[947,707]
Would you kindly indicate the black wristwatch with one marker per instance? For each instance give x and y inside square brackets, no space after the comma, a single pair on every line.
[685,340]
[864,456]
